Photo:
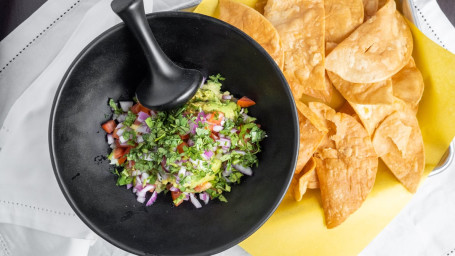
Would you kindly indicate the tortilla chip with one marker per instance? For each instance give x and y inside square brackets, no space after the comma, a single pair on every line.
[398,141]
[375,51]
[347,109]
[300,24]
[381,3]
[312,132]
[315,120]
[306,179]
[255,25]
[364,93]
[341,18]
[372,115]
[329,46]
[259,6]
[408,84]
[346,170]
[370,7]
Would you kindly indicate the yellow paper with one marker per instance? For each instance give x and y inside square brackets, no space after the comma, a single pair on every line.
[298,228]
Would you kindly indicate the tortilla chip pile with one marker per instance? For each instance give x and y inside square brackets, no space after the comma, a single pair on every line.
[362,48]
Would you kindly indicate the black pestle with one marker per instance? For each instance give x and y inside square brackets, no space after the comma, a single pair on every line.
[168,86]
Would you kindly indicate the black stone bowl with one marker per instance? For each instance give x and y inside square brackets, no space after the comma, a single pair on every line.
[111,67]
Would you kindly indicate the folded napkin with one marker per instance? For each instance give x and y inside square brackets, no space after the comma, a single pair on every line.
[431,20]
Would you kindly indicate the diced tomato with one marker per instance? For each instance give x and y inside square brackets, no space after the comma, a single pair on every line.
[127,150]
[214,136]
[121,160]
[185,137]
[203,187]
[180,147]
[245,102]
[175,195]
[138,108]
[215,117]
[117,143]
[118,152]
[109,126]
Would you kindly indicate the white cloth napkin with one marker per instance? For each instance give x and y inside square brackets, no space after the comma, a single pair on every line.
[431,20]
[35,218]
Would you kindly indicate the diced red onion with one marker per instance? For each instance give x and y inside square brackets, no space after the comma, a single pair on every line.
[147,157]
[141,116]
[144,176]
[243,169]
[241,152]
[129,185]
[124,144]
[190,142]
[233,130]
[194,201]
[126,105]
[163,164]
[139,139]
[138,183]
[120,125]
[122,139]
[197,162]
[143,129]
[217,128]
[152,199]
[204,197]
[225,149]
[187,197]
[120,132]
[110,139]
[141,199]
[144,191]
[133,173]
[153,113]
[223,142]
[245,117]
[208,154]
[193,127]
[227,97]
[174,189]
[227,171]
[121,118]
[182,171]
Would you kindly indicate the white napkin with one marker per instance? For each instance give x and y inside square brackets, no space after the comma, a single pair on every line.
[431,20]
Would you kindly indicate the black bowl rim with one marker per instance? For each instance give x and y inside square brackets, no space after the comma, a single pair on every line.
[114,29]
